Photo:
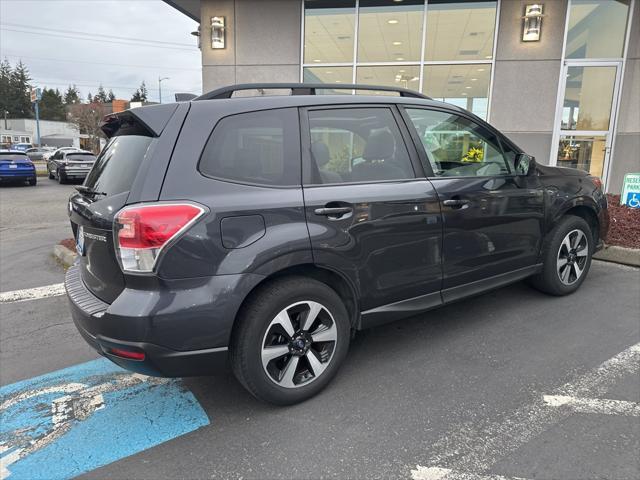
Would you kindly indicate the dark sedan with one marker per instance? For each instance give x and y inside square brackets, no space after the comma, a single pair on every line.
[70,165]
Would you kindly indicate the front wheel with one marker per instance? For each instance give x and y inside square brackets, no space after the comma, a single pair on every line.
[566,257]
[291,337]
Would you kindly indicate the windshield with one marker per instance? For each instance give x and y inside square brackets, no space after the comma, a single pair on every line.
[117,166]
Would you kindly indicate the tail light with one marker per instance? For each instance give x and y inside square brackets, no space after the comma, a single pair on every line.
[141,232]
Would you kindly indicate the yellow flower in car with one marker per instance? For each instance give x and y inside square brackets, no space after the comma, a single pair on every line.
[474,154]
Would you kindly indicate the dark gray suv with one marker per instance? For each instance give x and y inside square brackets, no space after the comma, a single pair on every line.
[261,232]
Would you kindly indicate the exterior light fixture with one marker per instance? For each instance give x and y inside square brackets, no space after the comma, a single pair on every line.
[197,34]
[532,22]
[218,32]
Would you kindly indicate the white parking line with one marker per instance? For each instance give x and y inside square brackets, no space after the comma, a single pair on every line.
[475,449]
[32,293]
[603,406]
[435,473]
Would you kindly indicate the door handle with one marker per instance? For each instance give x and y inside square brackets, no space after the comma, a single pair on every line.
[336,212]
[456,203]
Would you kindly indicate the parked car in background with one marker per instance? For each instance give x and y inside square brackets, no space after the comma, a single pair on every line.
[53,151]
[21,147]
[15,166]
[70,165]
[37,153]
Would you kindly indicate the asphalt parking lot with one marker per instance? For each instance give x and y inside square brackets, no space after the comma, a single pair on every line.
[510,384]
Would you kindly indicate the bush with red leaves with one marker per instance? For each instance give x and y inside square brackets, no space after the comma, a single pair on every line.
[624,229]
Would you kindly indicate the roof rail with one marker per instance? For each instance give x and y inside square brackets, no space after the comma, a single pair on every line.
[304,89]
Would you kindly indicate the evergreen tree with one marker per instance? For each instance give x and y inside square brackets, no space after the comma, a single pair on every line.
[51,105]
[141,94]
[101,96]
[111,96]
[72,95]
[89,98]
[5,86]
[19,99]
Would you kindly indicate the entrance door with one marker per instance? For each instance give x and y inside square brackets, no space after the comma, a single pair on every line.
[585,116]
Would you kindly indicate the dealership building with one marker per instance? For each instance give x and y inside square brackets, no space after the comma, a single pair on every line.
[560,77]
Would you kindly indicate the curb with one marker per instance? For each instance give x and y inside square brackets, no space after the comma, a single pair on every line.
[64,255]
[622,255]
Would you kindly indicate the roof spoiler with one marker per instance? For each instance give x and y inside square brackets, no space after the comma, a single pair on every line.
[151,119]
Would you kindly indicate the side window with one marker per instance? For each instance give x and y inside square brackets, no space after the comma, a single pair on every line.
[457,146]
[256,147]
[357,145]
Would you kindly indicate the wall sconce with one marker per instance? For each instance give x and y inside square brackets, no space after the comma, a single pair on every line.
[532,22]
[196,33]
[217,32]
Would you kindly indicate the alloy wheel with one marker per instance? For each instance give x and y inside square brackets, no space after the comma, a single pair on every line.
[572,257]
[299,343]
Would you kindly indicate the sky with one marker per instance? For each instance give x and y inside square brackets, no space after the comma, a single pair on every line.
[116,43]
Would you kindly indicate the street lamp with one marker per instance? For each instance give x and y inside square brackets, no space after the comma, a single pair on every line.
[160,79]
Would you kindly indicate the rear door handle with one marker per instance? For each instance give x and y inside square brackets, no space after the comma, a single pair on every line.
[458,203]
[335,212]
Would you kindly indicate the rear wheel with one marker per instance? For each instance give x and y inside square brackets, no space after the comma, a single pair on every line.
[33,181]
[291,338]
[566,257]
[62,178]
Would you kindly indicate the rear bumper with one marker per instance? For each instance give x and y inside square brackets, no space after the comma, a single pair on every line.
[143,321]
[17,174]
[76,172]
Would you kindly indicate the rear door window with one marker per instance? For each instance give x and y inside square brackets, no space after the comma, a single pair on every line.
[260,148]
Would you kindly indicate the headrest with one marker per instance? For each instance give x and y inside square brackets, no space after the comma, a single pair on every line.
[380,145]
[320,153]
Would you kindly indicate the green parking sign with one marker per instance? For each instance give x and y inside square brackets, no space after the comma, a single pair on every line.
[631,190]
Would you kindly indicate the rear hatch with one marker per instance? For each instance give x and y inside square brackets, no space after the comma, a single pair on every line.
[104,192]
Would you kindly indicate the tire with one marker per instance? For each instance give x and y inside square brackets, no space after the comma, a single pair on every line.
[51,175]
[33,181]
[272,379]
[559,278]
[62,178]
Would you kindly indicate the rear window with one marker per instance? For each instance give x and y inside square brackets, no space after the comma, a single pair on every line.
[117,165]
[81,157]
[256,148]
[13,156]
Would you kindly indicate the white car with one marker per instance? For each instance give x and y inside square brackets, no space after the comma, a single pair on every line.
[51,153]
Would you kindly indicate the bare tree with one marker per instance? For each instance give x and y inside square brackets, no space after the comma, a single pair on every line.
[88,117]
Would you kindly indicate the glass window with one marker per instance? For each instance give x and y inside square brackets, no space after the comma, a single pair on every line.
[458,147]
[404,76]
[329,75]
[357,145]
[466,86]
[390,31]
[329,29]
[597,28]
[256,147]
[585,153]
[460,30]
[588,98]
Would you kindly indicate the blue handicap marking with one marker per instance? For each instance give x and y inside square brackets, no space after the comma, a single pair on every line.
[74,420]
[633,199]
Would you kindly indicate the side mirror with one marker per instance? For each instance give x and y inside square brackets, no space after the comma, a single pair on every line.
[525,165]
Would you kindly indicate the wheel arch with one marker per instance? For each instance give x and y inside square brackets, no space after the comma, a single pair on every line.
[586,209]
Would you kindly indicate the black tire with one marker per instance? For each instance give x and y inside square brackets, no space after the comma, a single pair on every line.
[33,181]
[51,175]
[253,323]
[548,280]
[62,178]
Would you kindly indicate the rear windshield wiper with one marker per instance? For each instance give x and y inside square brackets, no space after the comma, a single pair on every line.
[89,191]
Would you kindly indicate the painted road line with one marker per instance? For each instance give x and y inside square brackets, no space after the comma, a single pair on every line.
[470,448]
[603,406]
[72,421]
[32,293]
[436,473]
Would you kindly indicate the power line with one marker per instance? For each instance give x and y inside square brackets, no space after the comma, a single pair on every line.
[91,34]
[51,59]
[95,39]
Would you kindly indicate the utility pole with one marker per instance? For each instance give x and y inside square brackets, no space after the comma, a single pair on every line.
[5,120]
[36,96]
[160,79]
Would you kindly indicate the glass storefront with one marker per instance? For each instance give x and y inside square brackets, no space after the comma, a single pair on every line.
[447,54]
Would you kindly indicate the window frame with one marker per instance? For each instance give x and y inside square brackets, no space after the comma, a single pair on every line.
[305,139]
[422,151]
[296,141]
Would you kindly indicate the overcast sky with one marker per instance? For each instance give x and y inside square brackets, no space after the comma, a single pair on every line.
[50,36]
